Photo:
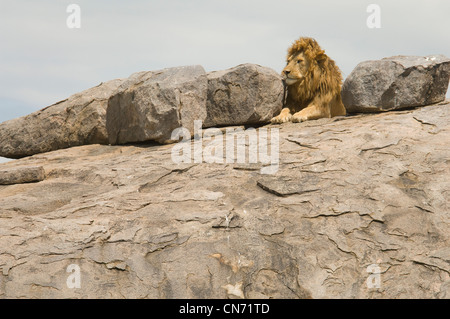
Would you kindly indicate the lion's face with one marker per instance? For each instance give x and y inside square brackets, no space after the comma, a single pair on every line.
[296,69]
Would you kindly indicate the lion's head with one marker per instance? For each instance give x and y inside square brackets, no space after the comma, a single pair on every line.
[309,71]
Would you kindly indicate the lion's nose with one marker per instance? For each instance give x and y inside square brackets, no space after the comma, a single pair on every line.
[286,72]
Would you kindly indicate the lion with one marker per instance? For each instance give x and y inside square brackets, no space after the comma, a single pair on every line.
[313,84]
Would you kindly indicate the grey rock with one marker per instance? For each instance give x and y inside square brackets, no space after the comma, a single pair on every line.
[22,175]
[247,94]
[396,83]
[147,106]
[78,120]
[150,105]
[349,194]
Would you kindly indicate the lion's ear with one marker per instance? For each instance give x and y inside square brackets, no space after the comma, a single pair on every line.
[321,56]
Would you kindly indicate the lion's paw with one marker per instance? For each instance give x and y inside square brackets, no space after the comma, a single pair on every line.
[297,118]
[282,118]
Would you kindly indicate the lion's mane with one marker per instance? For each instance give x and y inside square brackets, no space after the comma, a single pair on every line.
[323,81]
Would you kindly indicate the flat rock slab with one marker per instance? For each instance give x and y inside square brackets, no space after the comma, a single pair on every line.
[151,105]
[22,175]
[353,199]
[248,94]
[396,83]
[78,120]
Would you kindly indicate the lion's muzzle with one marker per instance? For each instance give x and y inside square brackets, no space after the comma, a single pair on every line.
[288,78]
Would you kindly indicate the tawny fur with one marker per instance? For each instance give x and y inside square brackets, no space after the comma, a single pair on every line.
[314,84]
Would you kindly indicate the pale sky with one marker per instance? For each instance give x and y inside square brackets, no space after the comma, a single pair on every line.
[42,61]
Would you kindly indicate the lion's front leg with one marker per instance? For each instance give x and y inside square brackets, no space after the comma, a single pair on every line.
[283,117]
[311,112]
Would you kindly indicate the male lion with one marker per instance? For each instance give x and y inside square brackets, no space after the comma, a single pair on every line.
[314,84]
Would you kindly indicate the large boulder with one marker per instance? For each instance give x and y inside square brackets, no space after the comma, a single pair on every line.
[395,83]
[247,94]
[78,120]
[149,105]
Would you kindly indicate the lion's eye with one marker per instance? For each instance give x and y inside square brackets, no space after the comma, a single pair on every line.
[299,61]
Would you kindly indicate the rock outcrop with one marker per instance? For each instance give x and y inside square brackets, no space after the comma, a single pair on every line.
[150,105]
[147,106]
[247,94]
[396,83]
[78,120]
[359,208]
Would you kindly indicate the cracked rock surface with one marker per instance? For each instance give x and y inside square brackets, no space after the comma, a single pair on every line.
[359,208]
